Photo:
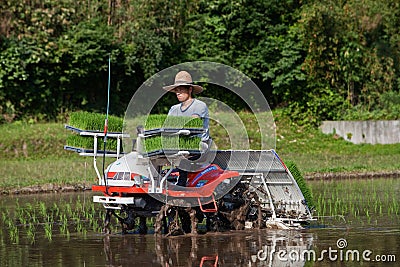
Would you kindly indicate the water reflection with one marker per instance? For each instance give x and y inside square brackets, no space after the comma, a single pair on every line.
[370,209]
[256,248]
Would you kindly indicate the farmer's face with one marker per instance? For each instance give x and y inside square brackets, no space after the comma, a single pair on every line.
[183,93]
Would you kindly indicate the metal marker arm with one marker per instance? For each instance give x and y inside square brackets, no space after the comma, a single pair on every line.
[269,196]
[181,132]
[95,158]
[159,190]
[151,189]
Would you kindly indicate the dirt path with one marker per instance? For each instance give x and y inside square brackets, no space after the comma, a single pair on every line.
[47,188]
[351,175]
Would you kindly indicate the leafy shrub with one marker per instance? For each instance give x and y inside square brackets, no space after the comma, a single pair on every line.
[386,108]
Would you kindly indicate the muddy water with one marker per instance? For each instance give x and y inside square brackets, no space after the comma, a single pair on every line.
[351,239]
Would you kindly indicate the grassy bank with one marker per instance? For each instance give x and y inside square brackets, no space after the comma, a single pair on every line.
[316,152]
[34,154]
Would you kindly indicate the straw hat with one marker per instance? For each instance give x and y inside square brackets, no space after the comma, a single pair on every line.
[184,78]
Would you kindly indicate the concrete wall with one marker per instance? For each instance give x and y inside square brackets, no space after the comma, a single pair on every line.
[371,132]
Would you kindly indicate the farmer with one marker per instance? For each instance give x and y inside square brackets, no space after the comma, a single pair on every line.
[189,106]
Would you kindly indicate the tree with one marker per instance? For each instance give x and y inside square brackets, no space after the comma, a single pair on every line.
[348,46]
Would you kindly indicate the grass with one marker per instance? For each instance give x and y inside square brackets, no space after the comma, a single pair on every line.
[32,141]
[33,154]
[314,151]
[71,170]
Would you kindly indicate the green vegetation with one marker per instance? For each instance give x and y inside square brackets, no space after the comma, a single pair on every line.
[22,141]
[301,183]
[95,121]
[160,142]
[314,151]
[371,202]
[33,154]
[69,170]
[321,59]
[156,143]
[87,142]
[344,202]
[387,107]
[61,217]
[156,121]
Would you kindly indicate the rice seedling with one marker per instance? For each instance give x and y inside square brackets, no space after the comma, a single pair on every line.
[396,206]
[68,209]
[87,142]
[360,201]
[63,222]
[95,121]
[42,209]
[301,182]
[78,226]
[156,143]
[4,216]
[48,228]
[31,233]
[174,122]
[40,217]
[13,231]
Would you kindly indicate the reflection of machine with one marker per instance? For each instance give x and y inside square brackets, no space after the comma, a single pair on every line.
[256,248]
[229,189]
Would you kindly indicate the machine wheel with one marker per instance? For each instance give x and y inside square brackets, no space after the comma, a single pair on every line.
[161,221]
[127,223]
[142,225]
[175,221]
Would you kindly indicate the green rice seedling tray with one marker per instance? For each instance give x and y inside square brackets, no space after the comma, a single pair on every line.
[77,130]
[167,152]
[172,131]
[169,125]
[163,143]
[90,121]
[87,142]
[88,151]
[162,121]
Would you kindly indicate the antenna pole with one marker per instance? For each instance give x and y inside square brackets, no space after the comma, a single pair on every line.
[106,121]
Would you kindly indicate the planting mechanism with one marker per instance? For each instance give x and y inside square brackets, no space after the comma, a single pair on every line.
[226,189]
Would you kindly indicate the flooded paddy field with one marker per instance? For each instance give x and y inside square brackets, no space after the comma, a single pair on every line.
[358,223]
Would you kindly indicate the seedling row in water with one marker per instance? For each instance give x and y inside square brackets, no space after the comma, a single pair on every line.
[357,201]
[62,218]
[370,202]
